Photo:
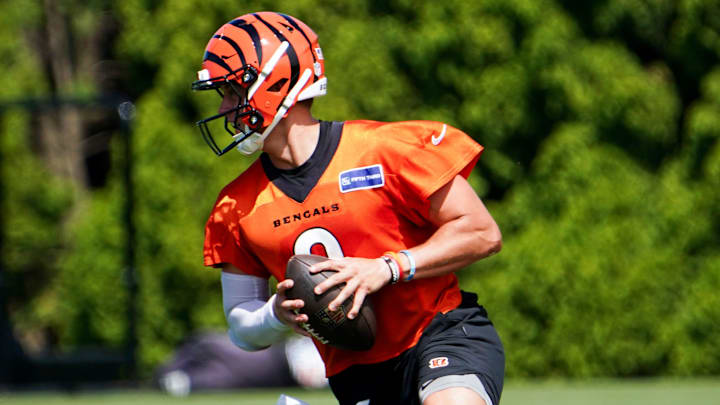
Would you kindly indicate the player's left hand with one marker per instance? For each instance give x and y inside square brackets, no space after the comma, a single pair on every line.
[362,277]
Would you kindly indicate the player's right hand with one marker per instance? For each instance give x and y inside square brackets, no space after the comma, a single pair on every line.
[286,309]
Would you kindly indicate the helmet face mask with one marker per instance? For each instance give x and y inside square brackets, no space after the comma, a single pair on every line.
[270,61]
[240,121]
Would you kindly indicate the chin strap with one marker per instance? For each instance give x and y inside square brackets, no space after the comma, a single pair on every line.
[254,142]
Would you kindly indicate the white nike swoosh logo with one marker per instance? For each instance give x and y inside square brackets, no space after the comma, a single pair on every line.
[436,141]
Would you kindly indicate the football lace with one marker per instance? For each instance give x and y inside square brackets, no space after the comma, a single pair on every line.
[312,331]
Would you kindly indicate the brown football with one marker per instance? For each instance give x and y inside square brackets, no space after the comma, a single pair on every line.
[332,328]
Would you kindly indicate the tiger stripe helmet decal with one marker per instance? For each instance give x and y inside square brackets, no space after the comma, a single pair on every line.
[271,60]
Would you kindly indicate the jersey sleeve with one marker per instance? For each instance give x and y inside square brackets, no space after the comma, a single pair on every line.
[224,242]
[425,156]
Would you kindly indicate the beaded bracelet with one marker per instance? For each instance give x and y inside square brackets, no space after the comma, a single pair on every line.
[394,269]
[396,258]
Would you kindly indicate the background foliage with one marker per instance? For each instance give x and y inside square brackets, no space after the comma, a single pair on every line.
[600,119]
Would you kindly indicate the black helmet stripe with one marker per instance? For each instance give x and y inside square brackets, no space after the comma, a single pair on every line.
[292,55]
[252,32]
[297,27]
[234,45]
[214,58]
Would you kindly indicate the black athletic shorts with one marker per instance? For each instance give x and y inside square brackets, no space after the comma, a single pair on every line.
[462,341]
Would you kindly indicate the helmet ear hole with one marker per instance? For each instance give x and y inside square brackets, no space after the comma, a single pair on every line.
[277,86]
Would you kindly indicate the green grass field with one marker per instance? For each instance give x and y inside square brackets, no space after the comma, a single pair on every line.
[616,392]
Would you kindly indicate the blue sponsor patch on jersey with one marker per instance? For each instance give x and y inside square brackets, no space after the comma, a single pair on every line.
[362,178]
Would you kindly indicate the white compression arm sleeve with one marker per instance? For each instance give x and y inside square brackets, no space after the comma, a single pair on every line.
[249,312]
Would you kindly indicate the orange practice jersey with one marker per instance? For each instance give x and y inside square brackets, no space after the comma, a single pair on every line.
[372,198]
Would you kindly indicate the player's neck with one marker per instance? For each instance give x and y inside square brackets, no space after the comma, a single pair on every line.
[294,139]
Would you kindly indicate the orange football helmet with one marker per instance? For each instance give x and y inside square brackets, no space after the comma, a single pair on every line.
[271,61]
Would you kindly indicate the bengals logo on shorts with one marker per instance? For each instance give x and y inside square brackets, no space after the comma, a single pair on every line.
[438,362]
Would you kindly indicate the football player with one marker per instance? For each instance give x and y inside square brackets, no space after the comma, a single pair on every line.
[389,203]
